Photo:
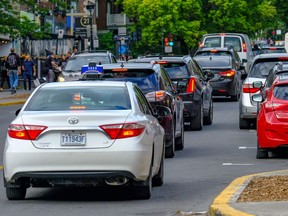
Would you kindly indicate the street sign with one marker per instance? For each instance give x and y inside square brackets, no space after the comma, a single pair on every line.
[168,49]
[122,50]
[81,24]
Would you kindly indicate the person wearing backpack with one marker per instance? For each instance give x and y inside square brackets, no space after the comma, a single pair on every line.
[13,69]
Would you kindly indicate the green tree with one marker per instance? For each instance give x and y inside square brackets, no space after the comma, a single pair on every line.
[106,42]
[159,18]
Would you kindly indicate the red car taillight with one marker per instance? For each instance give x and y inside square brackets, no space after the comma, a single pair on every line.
[156,96]
[25,132]
[244,47]
[228,73]
[120,131]
[248,88]
[191,85]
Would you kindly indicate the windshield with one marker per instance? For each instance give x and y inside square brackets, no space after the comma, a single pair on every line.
[80,98]
[75,63]
[261,69]
[176,70]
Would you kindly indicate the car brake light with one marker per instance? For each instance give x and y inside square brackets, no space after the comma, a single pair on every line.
[25,132]
[156,96]
[120,131]
[213,51]
[162,62]
[272,48]
[248,88]
[244,47]
[191,85]
[228,73]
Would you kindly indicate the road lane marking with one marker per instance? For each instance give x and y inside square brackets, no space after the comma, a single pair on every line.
[235,164]
[246,147]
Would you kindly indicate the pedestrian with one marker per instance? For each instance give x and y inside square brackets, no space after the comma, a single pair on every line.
[4,76]
[13,69]
[75,50]
[63,61]
[29,70]
[50,64]
[68,55]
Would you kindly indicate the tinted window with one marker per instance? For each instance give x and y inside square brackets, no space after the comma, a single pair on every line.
[76,62]
[146,80]
[176,70]
[212,42]
[206,62]
[273,50]
[281,92]
[209,53]
[233,42]
[260,69]
[142,101]
[80,98]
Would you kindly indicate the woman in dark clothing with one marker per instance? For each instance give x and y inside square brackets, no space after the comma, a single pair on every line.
[4,76]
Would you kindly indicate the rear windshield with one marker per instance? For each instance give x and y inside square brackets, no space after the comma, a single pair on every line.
[80,98]
[176,70]
[75,63]
[211,42]
[281,92]
[229,41]
[273,50]
[205,62]
[261,68]
[146,80]
[209,53]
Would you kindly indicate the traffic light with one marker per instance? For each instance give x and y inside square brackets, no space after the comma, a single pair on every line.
[171,43]
[166,41]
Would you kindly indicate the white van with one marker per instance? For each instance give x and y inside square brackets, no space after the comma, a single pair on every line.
[240,42]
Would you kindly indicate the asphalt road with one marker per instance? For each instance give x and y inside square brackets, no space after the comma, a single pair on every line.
[211,159]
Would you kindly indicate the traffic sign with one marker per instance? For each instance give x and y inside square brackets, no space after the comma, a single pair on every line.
[122,49]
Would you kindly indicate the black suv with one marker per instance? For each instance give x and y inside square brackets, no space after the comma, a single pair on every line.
[72,70]
[192,86]
[154,82]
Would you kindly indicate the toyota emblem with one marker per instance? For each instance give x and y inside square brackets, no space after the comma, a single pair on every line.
[73,120]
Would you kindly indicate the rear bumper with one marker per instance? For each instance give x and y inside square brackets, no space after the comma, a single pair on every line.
[225,87]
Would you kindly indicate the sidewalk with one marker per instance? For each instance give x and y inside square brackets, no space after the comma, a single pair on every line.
[225,204]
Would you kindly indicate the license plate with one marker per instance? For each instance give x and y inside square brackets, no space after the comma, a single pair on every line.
[73,139]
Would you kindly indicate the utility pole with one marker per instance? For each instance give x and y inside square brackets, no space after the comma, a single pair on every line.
[91,8]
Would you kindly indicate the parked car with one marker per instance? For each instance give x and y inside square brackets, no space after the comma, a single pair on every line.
[192,86]
[227,76]
[154,82]
[240,42]
[85,134]
[72,70]
[258,71]
[272,49]
[272,121]
[219,51]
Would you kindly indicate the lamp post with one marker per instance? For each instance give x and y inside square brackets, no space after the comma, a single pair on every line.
[91,9]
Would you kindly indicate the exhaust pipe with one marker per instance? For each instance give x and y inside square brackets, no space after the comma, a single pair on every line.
[116,181]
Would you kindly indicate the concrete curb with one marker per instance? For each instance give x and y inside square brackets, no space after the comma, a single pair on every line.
[220,206]
[12,103]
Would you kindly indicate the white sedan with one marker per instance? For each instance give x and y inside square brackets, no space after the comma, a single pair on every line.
[85,133]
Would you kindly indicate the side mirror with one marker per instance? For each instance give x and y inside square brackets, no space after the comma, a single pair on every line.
[162,111]
[257,98]
[17,112]
[242,67]
[244,76]
[257,84]
[209,75]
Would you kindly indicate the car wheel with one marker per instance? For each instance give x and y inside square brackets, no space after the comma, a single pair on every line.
[196,123]
[16,193]
[170,151]
[244,123]
[209,119]
[180,140]
[159,177]
[261,154]
[144,190]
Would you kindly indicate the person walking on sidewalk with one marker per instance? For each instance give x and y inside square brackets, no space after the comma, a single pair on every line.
[29,70]
[13,69]
[4,76]
[50,64]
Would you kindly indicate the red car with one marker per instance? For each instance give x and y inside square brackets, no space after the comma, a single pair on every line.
[272,121]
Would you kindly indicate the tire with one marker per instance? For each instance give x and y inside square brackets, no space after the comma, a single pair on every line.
[261,154]
[144,190]
[179,144]
[196,123]
[170,151]
[158,179]
[244,123]
[209,119]
[16,193]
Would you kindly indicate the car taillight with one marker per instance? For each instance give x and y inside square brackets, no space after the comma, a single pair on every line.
[281,111]
[244,47]
[120,131]
[156,96]
[25,132]
[248,88]
[191,85]
[228,73]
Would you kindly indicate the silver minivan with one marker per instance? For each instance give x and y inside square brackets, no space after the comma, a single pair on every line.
[240,43]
